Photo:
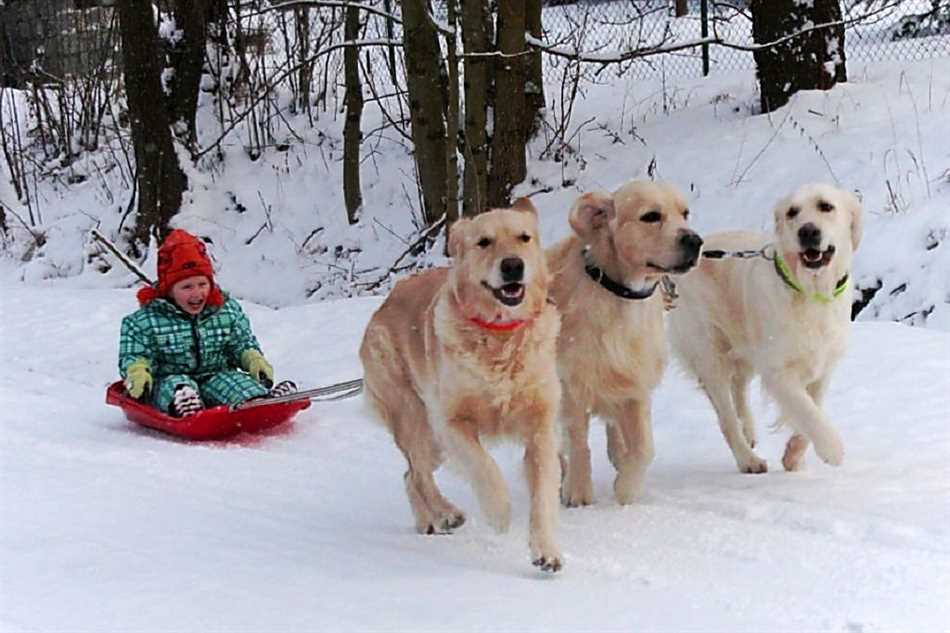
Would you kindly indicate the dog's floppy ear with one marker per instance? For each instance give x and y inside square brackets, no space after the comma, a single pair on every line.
[524,205]
[457,236]
[857,218]
[592,211]
[780,211]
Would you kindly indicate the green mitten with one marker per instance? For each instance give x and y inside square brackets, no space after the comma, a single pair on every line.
[138,378]
[259,369]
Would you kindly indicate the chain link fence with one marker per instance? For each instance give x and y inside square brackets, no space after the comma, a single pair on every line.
[878,31]
[51,40]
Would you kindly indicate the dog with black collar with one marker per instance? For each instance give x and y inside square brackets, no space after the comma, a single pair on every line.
[612,345]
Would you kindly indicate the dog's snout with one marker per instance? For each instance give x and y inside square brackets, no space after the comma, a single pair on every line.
[512,269]
[691,242]
[810,236]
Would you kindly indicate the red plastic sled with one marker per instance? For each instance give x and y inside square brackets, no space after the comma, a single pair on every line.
[208,424]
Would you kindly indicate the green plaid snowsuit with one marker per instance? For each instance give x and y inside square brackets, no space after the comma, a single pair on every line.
[203,352]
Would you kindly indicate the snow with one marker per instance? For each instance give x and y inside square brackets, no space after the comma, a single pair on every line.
[110,527]
[106,526]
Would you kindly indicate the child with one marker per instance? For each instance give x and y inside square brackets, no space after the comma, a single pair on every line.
[191,345]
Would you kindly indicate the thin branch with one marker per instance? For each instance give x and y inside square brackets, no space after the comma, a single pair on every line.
[299,4]
[267,89]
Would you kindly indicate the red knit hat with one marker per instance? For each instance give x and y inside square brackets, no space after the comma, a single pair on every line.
[181,255]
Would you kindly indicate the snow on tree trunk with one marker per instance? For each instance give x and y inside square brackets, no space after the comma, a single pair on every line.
[159,179]
[813,60]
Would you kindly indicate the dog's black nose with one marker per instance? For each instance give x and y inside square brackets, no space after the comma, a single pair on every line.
[512,269]
[810,236]
[691,242]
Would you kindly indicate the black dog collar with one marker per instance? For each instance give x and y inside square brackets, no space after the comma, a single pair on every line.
[597,274]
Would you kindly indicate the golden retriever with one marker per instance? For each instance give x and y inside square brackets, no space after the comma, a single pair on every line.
[784,317]
[457,356]
[612,347]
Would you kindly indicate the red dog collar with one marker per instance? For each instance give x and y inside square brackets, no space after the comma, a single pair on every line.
[496,326]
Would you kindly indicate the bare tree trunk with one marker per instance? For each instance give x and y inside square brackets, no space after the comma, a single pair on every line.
[305,70]
[391,49]
[508,140]
[188,56]
[534,83]
[814,60]
[426,106]
[476,38]
[352,135]
[681,8]
[159,177]
[452,115]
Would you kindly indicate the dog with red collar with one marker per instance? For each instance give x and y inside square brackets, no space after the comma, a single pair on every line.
[458,356]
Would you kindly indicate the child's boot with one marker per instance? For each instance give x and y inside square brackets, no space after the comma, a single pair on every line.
[283,388]
[186,402]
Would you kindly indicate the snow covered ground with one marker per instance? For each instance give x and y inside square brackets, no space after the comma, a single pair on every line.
[110,527]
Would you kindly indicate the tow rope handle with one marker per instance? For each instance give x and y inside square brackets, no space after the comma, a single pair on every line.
[337,391]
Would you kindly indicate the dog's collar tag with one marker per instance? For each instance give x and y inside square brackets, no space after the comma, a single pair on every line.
[496,326]
[786,275]
[598,275]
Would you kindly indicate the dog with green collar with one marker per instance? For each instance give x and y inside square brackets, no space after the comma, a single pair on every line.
[782,313]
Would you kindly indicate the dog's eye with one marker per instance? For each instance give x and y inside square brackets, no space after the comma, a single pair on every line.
[685,214]
[792,212]
[524,237]
[825,207]
[652,216]
[485,242]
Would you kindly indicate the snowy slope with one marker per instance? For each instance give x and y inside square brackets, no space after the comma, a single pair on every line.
[107,527]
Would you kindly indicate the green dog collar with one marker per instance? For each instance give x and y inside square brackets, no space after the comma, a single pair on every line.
[786,274]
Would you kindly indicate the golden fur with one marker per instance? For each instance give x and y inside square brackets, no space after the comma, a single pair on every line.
[611,350]
[736,318]
[443,383]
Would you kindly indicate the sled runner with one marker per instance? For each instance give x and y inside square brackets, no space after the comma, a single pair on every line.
[208,424]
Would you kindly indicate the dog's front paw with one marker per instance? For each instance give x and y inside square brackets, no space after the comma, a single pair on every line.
[752,464]
[550,562]
[445,524]
[829,448]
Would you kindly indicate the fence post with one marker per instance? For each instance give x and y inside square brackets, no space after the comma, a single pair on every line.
[704,22]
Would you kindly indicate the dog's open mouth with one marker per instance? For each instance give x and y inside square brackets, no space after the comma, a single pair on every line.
[510,294]
[814,258]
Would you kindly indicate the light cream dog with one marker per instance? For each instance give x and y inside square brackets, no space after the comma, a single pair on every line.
[785,320]
[612,347]
[457,356]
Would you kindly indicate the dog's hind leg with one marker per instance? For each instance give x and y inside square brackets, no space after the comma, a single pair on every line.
[406,419]
[740,397]
[577,488]
[800,407]
[634,423]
